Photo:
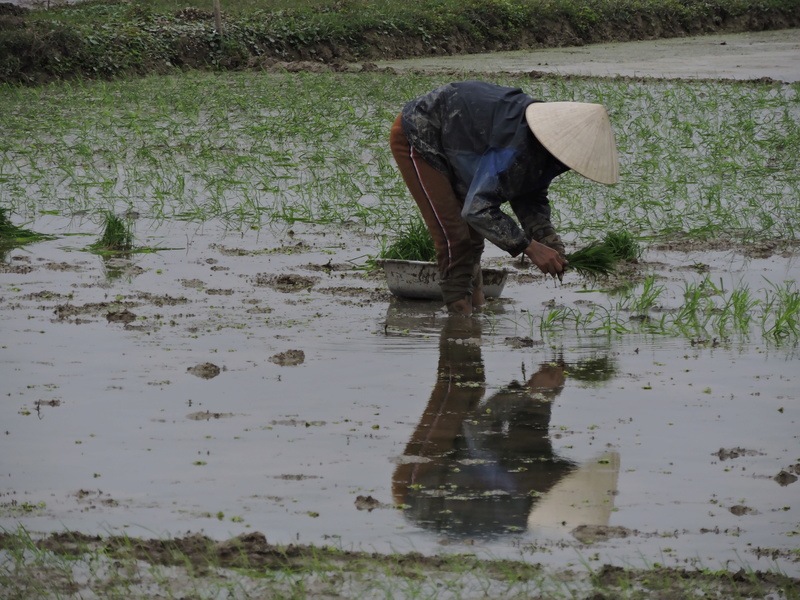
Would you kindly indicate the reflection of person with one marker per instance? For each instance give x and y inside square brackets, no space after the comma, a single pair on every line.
[466,148]
[476,466]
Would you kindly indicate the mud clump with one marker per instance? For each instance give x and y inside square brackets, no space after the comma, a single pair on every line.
[522,342]
[192,283]
[286,283]
[207,415]
[785,478]
[289,358]
[205,370]
[741,510]
[124,316]
[731,453]
[589,534]
[15,269]
[369,503]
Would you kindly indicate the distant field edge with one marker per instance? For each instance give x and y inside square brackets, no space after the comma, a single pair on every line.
[109,39]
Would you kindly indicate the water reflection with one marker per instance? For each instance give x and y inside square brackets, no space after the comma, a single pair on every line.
[480,467]
[120,266]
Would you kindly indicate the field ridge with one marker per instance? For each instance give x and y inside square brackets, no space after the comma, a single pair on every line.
[115,38]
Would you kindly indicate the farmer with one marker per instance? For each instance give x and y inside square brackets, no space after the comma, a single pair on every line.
[466,148]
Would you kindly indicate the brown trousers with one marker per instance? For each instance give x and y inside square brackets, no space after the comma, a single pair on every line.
[458,246]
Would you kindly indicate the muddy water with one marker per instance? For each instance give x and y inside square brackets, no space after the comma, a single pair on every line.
[257,382]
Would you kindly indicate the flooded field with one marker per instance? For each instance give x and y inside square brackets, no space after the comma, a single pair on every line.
[393,427]
[251,373]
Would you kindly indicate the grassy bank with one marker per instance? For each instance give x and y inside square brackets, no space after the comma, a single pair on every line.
[111,38]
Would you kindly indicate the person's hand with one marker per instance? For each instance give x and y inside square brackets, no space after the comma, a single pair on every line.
[548,261]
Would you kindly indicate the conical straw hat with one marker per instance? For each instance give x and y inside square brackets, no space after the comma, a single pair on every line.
[579,135]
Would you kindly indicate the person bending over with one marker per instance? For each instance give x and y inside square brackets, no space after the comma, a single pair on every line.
[466,148]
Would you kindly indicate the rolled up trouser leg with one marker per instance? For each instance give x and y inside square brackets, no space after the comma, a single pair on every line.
[441,210]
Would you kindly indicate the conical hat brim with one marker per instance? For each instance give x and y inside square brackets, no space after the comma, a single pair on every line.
[578,134]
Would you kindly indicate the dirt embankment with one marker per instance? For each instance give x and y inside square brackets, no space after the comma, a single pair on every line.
[36,50]
[556,34]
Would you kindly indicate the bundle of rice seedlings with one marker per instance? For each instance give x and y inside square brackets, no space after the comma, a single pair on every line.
[599,258]
[117,236]
[414,242]
[594,260]
[623,245]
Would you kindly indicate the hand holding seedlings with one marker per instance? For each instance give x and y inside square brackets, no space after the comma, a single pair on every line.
[548,260]
[466,148]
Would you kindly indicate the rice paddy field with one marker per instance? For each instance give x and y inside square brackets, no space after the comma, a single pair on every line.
[200,342]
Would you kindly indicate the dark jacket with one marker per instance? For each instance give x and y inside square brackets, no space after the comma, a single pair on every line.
[476,133]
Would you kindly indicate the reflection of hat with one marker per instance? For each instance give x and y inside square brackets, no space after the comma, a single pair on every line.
[579,135]
[584,497]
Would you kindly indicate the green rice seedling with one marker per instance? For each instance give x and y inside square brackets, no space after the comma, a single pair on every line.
[554,318]
[594,260]
[736,312]
[117,236]
[648,297]
[781,314]
[13,235]
[413,242]
[742,304]
[599,258]
[698,309]
[610,323]
[623,245]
